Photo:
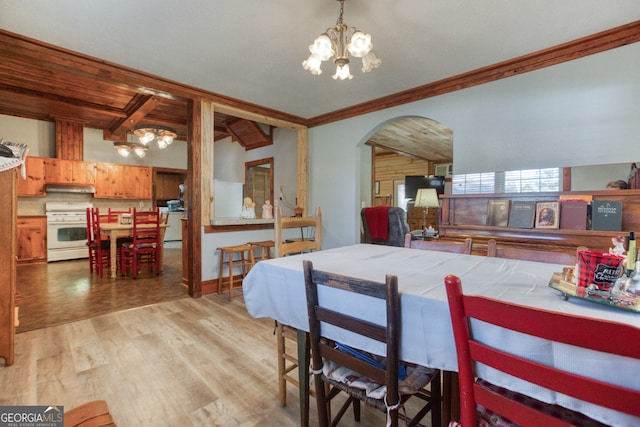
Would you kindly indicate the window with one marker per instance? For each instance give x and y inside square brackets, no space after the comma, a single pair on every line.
[400,200]
[518,181]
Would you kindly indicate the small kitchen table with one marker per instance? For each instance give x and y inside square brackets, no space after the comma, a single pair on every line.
[114,230]
[275,288]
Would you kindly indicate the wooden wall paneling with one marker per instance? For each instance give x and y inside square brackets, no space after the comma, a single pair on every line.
[8,236]
[391,167]
[69,139]
[302,192]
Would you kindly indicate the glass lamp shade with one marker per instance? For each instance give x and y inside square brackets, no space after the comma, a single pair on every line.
[342,72]
[140,152]
[427,198]
[123,151]
[322,47]
[360,44]
[147,137]
[312,64]
[162,144]
[369,62]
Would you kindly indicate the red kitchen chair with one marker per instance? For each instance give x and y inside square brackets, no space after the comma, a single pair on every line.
[144,248]
[99,250]
[114,215]
[493,405]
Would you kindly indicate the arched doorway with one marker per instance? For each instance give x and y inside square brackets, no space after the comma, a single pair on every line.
[409,145]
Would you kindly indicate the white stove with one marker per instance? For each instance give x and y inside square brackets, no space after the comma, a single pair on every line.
[66,230]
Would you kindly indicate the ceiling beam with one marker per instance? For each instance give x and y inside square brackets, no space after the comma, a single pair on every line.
[138,108]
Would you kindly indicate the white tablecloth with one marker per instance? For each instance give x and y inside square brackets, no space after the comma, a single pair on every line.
[275,288]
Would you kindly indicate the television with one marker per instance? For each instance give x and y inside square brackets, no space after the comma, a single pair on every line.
[413,182]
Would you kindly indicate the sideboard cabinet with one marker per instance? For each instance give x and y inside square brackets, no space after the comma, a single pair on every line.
[466,215]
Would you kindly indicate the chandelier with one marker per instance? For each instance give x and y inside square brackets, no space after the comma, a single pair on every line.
[126,148]
[340,41]
[146,134]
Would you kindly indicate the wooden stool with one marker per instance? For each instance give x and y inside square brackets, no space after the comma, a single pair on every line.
[265,248]
[245,262]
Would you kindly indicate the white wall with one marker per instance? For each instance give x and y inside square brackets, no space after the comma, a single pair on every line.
[583,112]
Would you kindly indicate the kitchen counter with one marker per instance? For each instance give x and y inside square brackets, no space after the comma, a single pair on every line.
[241,221]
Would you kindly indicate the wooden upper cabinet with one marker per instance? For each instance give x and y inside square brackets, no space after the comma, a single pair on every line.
[34,184]
[122,182]
[137,182]
[61,171]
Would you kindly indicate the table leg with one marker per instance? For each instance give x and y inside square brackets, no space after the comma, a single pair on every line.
[450,398]
[113,257]
[303,375]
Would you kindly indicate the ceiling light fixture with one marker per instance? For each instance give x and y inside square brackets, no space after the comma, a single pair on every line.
[125,148]
[164,136]
[340,41]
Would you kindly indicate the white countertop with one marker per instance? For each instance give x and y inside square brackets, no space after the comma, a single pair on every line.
[241,221]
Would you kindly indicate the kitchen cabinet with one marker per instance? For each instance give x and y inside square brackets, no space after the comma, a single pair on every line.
[31,239]
[115,181]
[62,171]
[34,184]
[166,184]
[8,313]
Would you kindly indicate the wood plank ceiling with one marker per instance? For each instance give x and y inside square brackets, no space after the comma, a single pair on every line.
[41,83]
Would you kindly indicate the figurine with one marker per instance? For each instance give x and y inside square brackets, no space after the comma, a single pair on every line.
[618,243]
[248,208]
[267,210]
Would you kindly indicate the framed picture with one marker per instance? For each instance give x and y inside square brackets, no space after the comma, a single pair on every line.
[547,214]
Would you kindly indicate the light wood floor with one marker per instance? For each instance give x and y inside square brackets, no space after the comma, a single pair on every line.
[157,356]
[187,362]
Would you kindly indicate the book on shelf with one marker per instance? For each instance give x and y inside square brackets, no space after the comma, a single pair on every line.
[573,214]
[547,214]
[522,214]
[498,212]
[573,197]
[606,215]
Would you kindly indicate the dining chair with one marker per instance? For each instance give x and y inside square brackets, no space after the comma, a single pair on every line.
[286,336]
[114,215]
[529,254]
[385,383]
[99,249]
[463,247]
[91,414]
[482,400]
[144,248]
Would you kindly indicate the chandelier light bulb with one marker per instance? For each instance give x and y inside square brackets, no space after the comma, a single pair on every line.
[360,44]
[147,138]
[140,152]
[370,62]
[162,144]
[322,48]
[342,72]
[312,64]
[123,151]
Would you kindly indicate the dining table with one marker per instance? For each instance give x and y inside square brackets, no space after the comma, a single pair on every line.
[115,230]
[275,288]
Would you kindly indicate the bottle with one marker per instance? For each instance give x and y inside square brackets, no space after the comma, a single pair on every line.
[631,254]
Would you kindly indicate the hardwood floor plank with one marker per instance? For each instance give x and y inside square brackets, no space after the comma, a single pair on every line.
[187,362]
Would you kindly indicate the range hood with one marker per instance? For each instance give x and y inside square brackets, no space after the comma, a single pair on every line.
[69,188]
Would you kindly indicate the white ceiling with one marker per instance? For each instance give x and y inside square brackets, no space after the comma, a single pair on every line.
[252,49]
